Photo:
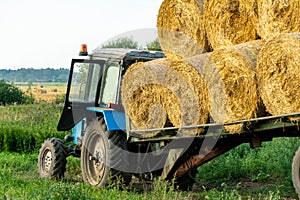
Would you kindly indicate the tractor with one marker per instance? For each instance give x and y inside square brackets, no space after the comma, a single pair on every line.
[94,113]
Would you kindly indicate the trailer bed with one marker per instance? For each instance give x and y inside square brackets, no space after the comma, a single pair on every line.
[188,151]
[269,126]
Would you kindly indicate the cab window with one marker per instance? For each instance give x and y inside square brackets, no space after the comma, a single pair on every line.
[109,92]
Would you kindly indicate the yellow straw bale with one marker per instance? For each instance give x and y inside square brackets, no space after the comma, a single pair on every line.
[230,76]
[158,89]
[278,74]
[230,22]
[141,94]
[277,16]
[181,30]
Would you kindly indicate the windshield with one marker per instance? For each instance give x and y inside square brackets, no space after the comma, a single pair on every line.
[110,82]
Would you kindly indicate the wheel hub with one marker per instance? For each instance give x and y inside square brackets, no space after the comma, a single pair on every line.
[48,161]
[98,158]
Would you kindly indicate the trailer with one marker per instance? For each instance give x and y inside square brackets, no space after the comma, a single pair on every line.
[109,148]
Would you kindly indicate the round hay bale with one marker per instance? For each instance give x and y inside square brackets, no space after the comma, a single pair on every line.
[141,94]
[229,22]
[181,30]
[278,74]
[190,94]
[276,17]
[230,76]
[41,91]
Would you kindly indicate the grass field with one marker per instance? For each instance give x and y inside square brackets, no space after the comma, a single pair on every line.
[242,173]
[19,180]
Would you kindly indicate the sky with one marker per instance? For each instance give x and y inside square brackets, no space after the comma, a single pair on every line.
[40,34]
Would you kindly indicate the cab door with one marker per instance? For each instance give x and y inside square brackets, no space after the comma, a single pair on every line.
[82,91]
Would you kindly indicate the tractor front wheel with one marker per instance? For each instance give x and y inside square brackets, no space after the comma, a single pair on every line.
[52,159]
[103,155]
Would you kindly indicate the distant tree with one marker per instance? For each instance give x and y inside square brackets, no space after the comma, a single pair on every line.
[154,45]
[30,83]
[81,76]
[28,96]
[122,42]
[10,94]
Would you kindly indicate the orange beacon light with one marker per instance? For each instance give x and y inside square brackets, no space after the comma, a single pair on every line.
[83,50]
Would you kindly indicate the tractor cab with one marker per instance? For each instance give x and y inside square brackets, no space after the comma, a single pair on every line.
[94,112]
[94,87]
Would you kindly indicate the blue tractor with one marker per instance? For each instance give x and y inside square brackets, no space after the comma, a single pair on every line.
[94,113]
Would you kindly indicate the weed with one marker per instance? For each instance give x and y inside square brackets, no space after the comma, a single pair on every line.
[24,128]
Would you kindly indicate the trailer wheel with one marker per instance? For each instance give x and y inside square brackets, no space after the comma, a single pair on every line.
[103,155]
[296,171]
[52,159]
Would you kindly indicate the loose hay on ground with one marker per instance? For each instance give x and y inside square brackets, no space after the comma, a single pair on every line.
[230,22]
[181,30]
[230,77]
[278,73]
[276,17]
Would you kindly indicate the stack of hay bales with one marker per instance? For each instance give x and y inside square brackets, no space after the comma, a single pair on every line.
[217,66]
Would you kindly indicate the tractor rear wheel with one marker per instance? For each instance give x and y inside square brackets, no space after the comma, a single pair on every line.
[103,155]
[296,171]
[52,159]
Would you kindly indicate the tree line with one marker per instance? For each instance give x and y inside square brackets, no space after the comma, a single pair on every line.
[129,42]
[34,75]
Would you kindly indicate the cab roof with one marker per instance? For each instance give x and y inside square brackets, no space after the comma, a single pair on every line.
[118,54]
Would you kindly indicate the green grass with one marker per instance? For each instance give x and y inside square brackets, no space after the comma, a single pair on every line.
[242,173]
[266,169]
[19,180]
[24,128]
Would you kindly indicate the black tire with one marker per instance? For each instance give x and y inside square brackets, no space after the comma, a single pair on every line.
[103,155]
[52,159]
[296,172]
[187,180]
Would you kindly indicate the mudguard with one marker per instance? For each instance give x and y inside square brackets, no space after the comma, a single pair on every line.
[115,120]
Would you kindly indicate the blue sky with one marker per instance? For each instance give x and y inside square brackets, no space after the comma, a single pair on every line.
[40,33]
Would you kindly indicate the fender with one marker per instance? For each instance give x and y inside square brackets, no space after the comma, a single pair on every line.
[115,120]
